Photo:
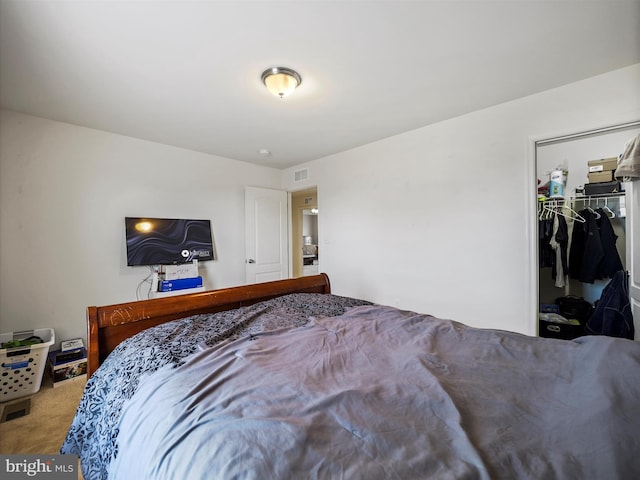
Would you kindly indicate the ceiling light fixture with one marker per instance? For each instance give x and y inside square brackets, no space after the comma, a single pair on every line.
[281,81]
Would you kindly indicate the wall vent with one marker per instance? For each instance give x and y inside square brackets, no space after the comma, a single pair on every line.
[301,175]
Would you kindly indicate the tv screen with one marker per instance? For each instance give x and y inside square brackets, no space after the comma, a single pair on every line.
[167,241]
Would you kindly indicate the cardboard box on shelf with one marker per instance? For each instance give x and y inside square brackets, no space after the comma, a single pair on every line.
[603,164]
[599,177]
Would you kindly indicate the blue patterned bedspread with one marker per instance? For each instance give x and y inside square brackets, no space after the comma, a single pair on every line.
[93,432]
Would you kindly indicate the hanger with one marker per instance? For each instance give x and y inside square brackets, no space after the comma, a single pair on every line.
[543,210]
[592,210]
[573,215]
[549,211]
[610,213]
[597,215]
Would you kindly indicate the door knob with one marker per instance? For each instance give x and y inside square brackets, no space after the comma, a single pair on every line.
[251,260]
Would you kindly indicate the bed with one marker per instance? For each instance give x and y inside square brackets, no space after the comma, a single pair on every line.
[288,380]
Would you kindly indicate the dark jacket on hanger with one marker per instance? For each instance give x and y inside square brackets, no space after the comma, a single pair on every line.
[612,315]
[576,252]
[562,237]
[611,262]
[587,267]
[546,254]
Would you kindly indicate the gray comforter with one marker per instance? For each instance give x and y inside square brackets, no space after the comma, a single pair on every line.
[379,393]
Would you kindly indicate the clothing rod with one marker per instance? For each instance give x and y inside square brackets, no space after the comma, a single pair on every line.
[601,196]
[585,198]
[588,133]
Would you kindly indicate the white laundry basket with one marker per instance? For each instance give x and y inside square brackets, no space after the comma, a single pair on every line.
[21,368]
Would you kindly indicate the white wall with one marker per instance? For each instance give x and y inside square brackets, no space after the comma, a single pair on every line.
[64,193]
[440,219]
[437,220]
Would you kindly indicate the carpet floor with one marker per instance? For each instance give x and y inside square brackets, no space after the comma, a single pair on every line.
[43,430]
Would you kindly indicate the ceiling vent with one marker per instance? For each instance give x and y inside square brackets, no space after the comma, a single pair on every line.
[301,175]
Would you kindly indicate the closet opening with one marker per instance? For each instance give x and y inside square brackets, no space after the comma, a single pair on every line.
[579,198]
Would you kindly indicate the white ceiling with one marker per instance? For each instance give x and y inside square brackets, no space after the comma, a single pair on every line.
[187,73]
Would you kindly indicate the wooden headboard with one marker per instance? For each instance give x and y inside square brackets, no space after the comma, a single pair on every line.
[109,325]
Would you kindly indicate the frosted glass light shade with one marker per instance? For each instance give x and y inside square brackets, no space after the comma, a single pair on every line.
[281,81]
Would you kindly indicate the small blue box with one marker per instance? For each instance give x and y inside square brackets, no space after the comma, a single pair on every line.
[179,284]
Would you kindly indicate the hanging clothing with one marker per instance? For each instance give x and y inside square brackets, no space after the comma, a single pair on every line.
[587,252]
[562,237]
[612,315]
[559,243]
[586,268]
[546,255]
[611,262]
[576,250]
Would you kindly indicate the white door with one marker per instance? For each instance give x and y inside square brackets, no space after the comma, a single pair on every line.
[633,250]
[266,240]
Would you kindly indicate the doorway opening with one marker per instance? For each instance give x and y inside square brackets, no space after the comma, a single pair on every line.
[572,155]
[305,255]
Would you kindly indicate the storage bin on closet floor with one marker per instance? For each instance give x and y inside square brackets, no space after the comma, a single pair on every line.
[553,325]
[22,367]
[563,331]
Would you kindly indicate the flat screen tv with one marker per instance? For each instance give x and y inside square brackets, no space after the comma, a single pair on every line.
[167,241]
